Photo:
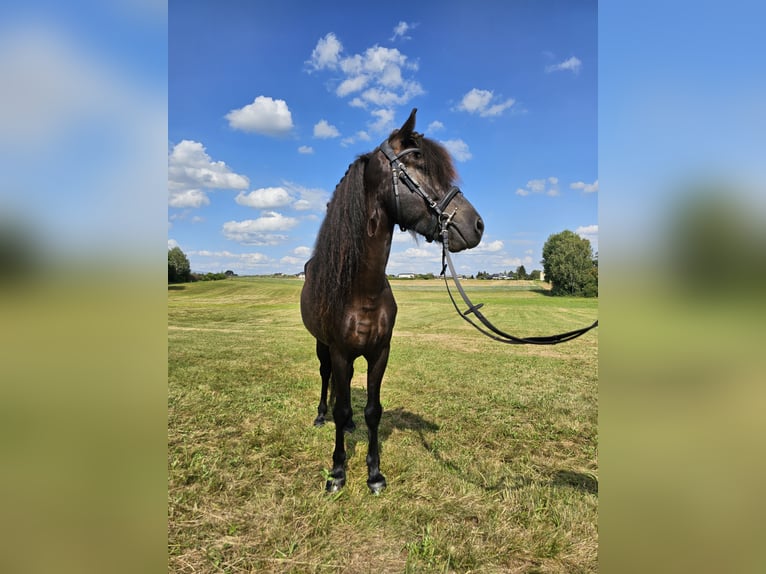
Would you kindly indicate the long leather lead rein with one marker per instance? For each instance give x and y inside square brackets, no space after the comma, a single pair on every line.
[488,328]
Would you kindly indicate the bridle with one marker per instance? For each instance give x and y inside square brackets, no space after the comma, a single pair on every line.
[399,172]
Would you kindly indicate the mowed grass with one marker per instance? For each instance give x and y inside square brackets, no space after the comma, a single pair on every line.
[490,450]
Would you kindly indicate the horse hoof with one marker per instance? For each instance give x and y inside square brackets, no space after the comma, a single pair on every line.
[350,427]
[377,485]
[335,484]
[319,422]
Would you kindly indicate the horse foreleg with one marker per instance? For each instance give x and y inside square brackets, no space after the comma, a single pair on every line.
[341,381]
[325,370]
[372,413]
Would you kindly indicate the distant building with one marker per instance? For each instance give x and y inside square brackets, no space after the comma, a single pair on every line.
[406,276]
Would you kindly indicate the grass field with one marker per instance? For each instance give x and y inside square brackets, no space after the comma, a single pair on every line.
[490,450]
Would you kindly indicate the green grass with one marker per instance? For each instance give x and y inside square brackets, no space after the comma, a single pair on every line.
[490,450]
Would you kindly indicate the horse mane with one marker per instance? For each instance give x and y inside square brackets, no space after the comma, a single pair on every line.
[339,247]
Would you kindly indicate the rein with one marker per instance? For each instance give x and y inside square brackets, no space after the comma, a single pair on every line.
[399,172]
[487,328]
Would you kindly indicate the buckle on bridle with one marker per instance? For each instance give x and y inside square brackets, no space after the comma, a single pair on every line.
[399,172]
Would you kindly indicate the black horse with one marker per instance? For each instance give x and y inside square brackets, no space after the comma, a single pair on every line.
[346,302]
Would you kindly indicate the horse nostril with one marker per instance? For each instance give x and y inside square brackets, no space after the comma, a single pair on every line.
[480,225]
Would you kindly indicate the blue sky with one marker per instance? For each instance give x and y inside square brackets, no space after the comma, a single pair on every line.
[269,102]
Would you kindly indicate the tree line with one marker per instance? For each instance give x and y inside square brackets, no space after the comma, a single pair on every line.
[179,270]
[520,273]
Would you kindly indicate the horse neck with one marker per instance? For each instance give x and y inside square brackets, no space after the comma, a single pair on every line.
[372,273]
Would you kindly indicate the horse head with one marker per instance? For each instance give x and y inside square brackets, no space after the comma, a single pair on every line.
[416,177]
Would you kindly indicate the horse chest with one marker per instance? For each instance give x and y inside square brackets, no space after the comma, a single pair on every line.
[368,326]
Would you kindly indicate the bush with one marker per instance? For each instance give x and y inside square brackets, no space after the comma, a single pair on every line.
[569,265]
[179,270]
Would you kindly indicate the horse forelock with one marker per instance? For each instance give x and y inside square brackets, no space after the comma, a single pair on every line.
[438,163]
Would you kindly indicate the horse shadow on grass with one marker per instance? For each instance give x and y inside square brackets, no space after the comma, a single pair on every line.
[393,419]
[579,480]
[584,482]
[401,419]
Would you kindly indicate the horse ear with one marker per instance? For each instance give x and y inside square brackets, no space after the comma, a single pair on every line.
[405,132]
[409,126]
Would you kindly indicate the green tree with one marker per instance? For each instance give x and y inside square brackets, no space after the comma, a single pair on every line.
[568,265]
[521,272]
[179,270]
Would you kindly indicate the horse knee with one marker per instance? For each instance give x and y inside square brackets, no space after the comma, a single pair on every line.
[372,414]
[341,413]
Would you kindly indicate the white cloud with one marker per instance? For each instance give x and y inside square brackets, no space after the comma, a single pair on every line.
[326,53]
[548,186]
[358,136]
[380,97]
[572,64]
[458,148]
[172,243]
[190,169]
[351,85]
[418,253]
[401,29]
[188,198]
[491,247]
[219,260]
[308,199]
[435,126]
[324,130]
[259,231]
[536,185]
[385,120]
[475,100]
[478,102]
[589,232]
[379,77]
[306,149]
[585,187]
[265,198]
[264,116]
[253,259]
[303,251]
[402,237]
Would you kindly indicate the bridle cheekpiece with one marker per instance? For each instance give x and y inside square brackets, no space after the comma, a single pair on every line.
[399,173]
